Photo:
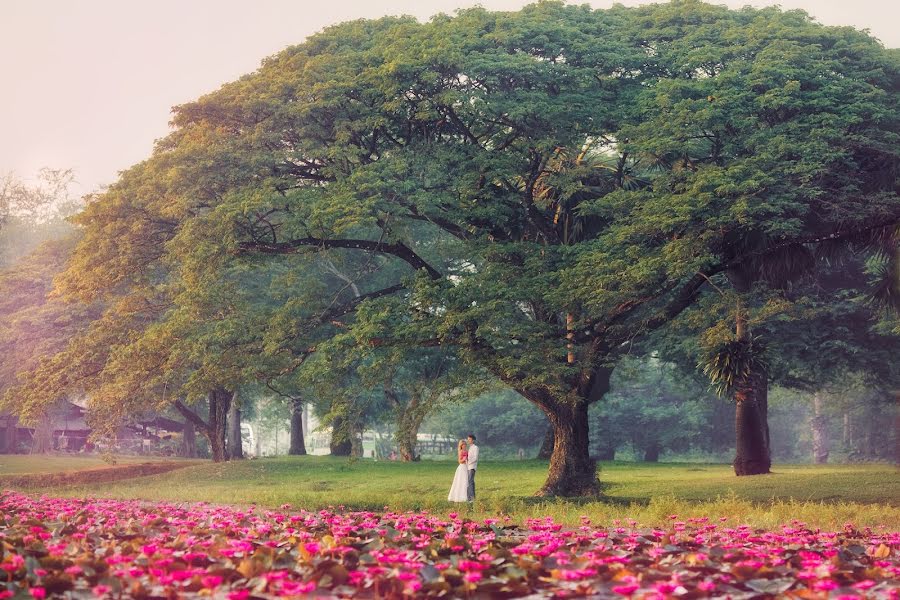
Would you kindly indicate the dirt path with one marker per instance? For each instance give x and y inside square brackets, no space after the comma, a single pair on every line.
[89,476]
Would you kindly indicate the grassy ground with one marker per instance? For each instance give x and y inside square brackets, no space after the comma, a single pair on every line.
[825,496]
[24,464]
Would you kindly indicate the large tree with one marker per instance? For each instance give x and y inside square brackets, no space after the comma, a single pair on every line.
[33,325]
[682,141]
[533,190]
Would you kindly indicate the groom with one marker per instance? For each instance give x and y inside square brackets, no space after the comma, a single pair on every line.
[472,465]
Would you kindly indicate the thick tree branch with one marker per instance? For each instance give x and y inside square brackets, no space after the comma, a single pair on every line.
[688,292]
[397,249]
[343,309]
[191,416]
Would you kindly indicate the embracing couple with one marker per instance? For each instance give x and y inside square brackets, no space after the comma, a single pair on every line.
[463,488]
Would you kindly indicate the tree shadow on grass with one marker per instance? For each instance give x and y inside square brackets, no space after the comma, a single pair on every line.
[602,498]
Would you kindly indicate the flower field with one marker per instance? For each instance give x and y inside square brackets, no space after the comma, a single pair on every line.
[81,548]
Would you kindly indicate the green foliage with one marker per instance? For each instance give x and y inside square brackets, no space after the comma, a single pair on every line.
[499,419]
[34,326]
[657,409]
[731,363]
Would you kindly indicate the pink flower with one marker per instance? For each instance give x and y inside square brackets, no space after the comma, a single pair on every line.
[211,581]
[627,589]
[100,590]
[472,577]
[356,577]
[39,592]
[826,585]
[294,588]
[312,547]
[666,587]
[576,574]
[470,565]
[238,595]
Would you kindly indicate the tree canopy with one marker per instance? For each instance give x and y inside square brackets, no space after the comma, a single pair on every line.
[532,190]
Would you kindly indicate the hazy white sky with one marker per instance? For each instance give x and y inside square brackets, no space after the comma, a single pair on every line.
[88,84]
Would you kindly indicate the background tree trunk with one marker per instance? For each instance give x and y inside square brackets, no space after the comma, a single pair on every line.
[751,429]
[235,440]
[341,444]
[651,451]
[847,433]
[298,444]
[11,441]
[213,429]
[356,446]
[406,441]
[546,449]
[42,439]
[409,421]
[189,440]
[819,431]
[219,401]
[606,452]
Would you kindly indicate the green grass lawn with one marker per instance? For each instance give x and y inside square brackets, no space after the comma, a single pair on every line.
[24,464]
[825,496]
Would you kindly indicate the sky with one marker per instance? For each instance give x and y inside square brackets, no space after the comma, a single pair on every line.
[89,84]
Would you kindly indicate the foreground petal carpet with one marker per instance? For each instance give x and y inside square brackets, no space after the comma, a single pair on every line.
[84,548]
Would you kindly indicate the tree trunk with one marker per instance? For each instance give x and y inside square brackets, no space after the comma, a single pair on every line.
[219,401]
[409,419]
[298,444]
[651,451]
[546,449]
[819,431]
[751,416]
[10,438]
[847,437]
[356,446]
[607,451]
[189,440]
[751,427]
[406,441]
[572,470]
[341,444]
[213,429]
[42,438]
[235,440]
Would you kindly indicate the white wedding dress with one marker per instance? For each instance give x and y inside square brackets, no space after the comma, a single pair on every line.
[459,491]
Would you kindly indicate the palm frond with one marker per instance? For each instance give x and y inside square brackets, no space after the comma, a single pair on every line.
[732,363]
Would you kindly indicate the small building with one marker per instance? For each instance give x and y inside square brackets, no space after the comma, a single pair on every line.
[67,431]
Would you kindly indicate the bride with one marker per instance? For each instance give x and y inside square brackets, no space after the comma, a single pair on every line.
[460,487]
